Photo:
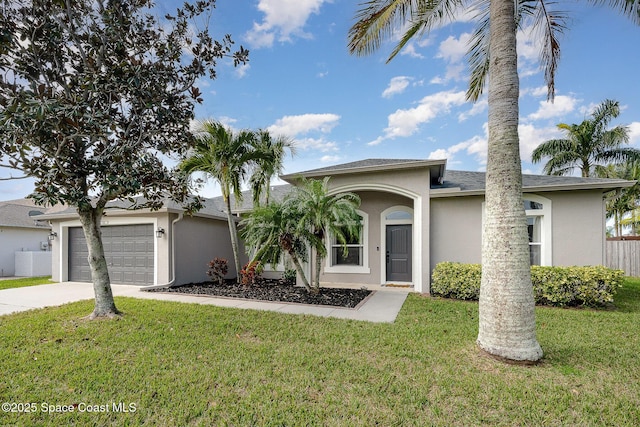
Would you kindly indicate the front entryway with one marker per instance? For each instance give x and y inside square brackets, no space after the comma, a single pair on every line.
[398,256]
[129,250]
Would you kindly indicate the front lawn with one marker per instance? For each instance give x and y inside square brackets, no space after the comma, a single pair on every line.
[170,364]
[24,282]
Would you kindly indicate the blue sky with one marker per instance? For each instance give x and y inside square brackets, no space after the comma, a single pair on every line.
[301,82]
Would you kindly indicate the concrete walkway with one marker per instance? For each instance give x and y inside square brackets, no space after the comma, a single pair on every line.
[381,306]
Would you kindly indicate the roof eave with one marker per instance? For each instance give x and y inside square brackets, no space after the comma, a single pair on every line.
[438,165]
[605,186]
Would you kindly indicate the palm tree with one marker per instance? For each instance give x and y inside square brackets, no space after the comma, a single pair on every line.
[507,317]
[227,157]
[273,230]
[271,166]
[589,145]
[323,215]
[625,200]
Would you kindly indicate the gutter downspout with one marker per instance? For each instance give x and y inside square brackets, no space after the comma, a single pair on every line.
[173,257]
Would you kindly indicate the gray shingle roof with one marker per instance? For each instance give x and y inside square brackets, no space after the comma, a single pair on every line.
[360,164]
[475,181]
[210,208]
[278,192]
[21,213]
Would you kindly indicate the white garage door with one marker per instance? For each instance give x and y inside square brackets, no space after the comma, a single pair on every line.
[129,251]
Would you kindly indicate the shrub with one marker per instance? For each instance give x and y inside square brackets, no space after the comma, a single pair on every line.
[456,280]
[218,268]
[289,276]
[554,286]
[571,286]
[251,273]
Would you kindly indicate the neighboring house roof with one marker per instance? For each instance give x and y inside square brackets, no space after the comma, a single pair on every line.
[277,193]
[209,209]
[463,183]
[22,213]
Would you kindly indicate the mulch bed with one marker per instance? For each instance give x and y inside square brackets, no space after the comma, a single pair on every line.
[273,291]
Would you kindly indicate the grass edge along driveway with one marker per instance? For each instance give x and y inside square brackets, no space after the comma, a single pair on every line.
[24,282]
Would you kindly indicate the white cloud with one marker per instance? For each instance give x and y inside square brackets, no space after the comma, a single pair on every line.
[319,144]
[531,136]
[228,121]
[396,86]
[536,92]
[478,107]
[452,51]
[282,20]
[403,123]
[329,159]
[242,70]
[304,123]
[562,106]
[448,153]
[411,51]
[634,133]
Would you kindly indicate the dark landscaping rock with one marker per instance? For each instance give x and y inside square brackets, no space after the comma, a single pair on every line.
[275,292]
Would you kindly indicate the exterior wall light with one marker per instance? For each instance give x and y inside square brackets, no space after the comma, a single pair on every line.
[52,235]
[159,232]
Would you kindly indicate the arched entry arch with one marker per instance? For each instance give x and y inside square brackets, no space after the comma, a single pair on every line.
[407,218]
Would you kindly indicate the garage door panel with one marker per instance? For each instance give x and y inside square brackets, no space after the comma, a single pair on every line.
[129,251]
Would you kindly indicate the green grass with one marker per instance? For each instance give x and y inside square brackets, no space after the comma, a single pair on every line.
[27,281]
[192,365]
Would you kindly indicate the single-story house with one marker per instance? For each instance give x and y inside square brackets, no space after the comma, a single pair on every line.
[415,213]
[25,236]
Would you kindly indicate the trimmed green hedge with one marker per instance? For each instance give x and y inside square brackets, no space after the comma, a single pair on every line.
[555,286]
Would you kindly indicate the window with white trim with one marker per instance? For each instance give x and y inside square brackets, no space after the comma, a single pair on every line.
[355,259]
[352,254]
[538,211]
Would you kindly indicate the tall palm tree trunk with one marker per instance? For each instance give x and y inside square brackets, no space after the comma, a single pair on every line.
[233,232]
[507,316]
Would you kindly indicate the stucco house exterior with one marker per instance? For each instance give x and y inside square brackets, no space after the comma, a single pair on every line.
[25,236]
[415,213]
[144,247]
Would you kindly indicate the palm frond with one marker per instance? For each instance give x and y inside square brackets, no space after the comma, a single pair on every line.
[478,54]
[552,148]
[629,8]
[551,24]
[377,21]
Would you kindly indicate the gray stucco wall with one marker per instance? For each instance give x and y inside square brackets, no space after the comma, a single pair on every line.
[456,229]
[198,241]
[577,228]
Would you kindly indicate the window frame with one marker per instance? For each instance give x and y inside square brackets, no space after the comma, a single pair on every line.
[364,243]
[544,214]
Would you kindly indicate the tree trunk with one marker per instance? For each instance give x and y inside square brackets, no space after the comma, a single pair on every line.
[507,316]
[104,304]
[234,235]
[300,270]
[316,287]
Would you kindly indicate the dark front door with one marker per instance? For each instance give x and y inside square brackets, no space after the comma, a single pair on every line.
[399,253]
